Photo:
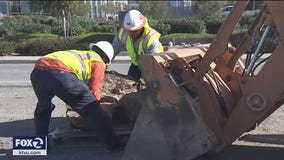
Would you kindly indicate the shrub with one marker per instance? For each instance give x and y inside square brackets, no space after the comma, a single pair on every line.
[23,48]
[212,25]
[48,45]
[95,37]
[268,46]
[271,42]
[51,21]
[6,47]
[76,30]
[246,20]
[27,24]
[4,31]
[26,36]
[84,22]
[43,46]
[105,27]
[184,25]
[38,28]
[152,22]
[237,36]
[162,28]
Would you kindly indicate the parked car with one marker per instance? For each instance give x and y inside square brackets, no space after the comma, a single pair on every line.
[226,10]
[115,17]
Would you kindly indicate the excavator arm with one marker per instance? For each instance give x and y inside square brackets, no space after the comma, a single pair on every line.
[203,98]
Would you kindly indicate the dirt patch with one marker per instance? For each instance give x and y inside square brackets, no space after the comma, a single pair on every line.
[117,85]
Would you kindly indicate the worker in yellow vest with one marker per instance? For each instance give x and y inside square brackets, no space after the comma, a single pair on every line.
[138,38]
[75,76]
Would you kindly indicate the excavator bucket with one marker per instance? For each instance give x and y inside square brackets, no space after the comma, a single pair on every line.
[167,127]
[199,102]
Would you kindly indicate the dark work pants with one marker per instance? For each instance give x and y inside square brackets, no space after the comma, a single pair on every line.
[134,71]
[49,83]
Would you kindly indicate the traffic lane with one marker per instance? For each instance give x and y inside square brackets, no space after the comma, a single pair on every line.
[19,74]
[119,67]
[15,74]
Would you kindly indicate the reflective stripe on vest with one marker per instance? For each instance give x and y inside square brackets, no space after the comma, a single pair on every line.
[144,44]
[123,36]
[79,62]
[151,35]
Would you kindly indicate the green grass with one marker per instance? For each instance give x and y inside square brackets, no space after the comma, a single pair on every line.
[197,36]
[91,34]
[188,35]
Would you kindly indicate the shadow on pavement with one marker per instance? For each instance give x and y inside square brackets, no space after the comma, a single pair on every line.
[72,149]
[264,138]
[239,152]
[26,127]
[90,149]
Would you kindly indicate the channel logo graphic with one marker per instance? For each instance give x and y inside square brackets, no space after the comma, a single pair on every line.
[29,145]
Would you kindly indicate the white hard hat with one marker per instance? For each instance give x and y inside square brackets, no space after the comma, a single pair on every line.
[106,47]
[133,21]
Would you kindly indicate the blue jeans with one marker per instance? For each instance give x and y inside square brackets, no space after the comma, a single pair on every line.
[48,83]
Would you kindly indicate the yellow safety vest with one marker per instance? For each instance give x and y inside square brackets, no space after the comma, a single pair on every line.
[78,61]
[149,35]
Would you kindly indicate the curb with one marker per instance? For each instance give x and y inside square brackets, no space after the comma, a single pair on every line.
[33,59]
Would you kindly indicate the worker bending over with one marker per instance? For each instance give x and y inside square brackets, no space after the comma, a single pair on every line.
[75,76]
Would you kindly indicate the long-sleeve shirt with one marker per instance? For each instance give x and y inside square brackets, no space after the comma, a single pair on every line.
[118,46]
[97,74]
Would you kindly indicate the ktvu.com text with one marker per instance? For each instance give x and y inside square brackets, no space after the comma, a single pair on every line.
[30,145]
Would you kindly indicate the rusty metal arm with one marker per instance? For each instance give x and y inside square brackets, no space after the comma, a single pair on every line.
[219,44]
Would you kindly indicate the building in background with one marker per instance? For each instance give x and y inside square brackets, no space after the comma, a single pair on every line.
[177,8]
[181,8]
[133,4]
[13,7]
[97,7]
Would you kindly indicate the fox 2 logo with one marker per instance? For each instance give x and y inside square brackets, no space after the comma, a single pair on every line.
[21,142]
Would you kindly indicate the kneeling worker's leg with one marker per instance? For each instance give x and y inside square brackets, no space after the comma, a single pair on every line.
[43,109]
[77,95]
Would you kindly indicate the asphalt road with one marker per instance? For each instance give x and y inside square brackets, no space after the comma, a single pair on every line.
[18,74]
[17,105]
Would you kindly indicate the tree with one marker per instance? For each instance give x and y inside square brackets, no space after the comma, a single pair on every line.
[71,7]
[255,4]
[63,8]
[111,8]
[39,6]
[154,9]
[209,8]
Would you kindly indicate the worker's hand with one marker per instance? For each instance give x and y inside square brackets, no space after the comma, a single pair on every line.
[231,48]
[141,84]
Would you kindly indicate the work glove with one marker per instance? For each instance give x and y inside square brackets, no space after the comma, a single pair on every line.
[141,85]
